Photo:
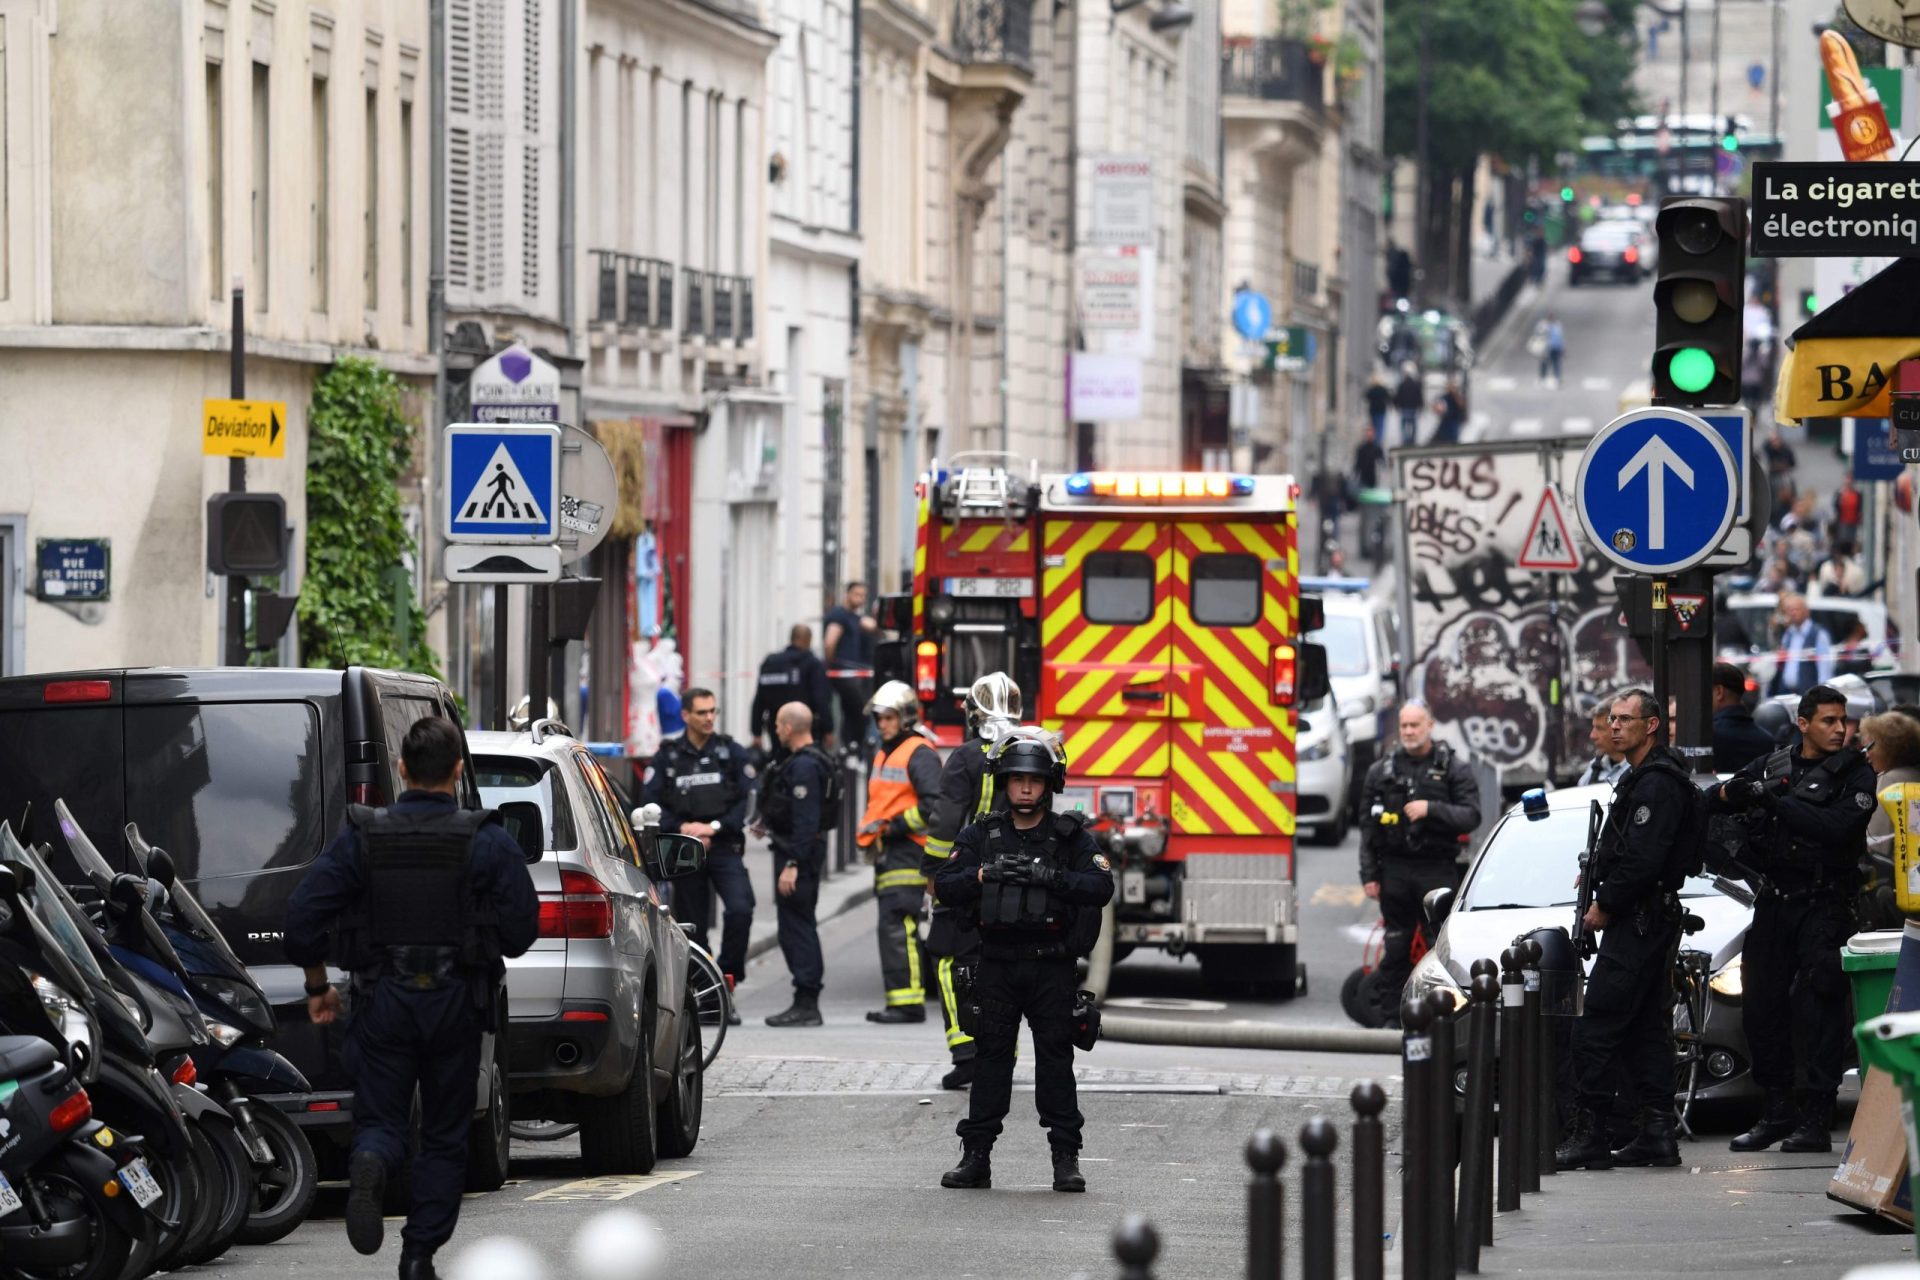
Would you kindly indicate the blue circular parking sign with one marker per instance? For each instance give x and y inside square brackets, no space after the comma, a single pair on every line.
[1252,314]
[1657,490]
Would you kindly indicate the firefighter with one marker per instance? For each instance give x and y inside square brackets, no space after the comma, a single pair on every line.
[966,795]
[893,831]
[792,674]
[1035,883]
[1419,806]
[422,901]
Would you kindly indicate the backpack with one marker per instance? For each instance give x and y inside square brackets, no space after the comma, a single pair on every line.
[1688,856]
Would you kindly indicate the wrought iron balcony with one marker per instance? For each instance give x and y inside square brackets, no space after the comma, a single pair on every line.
[634,292]
[994,31]
[1272,68]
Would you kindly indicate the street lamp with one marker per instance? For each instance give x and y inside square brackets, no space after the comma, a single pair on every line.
[1175,17]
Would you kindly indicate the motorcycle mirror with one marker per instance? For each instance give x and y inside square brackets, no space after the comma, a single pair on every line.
[160,867]
[128,892]
[9,881]
[1437,906]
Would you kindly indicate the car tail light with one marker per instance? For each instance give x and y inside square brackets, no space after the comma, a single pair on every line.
[71,1113]
[1286,674]
[582,909]
[186,1073]
[1573,255]
[584,1015]
[366,793]
[926,669]
[1632,255]
[323,1106]
[64,691]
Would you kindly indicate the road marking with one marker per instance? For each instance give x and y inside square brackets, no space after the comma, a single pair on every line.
[1526,426]
[1337,895]
[1476,427]
[608,1189]
[1502,384]
[1577,426]
[1596,384]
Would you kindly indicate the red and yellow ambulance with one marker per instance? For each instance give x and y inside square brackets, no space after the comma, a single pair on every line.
[1154,621]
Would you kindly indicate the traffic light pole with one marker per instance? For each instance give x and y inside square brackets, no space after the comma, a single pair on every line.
[236,628]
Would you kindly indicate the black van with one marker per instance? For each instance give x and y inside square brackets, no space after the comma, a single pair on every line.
[242,774]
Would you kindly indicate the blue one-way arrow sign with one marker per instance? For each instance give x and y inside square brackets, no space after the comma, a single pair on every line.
[1657,490]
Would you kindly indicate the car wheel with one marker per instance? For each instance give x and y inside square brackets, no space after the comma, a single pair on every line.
[679,1118]
[490,1141]
[618,1133]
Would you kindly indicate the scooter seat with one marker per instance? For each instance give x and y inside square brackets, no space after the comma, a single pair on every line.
[24,1055]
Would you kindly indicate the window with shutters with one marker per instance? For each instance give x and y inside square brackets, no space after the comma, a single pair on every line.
[321,145]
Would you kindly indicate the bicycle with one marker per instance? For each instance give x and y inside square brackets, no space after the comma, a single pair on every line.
[712,995]
[1692,970]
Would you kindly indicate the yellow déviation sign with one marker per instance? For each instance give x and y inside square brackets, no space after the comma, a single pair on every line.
[243,428]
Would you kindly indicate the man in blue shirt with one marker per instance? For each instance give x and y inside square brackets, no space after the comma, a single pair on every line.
[848,643]
[1806,650]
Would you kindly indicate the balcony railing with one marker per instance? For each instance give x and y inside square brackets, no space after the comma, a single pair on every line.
[1306,279]
[1271,68]
[994,31]
[634,292]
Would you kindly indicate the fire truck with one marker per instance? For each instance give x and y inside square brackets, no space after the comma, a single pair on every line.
[1154,621]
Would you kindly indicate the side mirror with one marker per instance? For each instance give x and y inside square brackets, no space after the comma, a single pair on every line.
[528,826]
[127,892]
[1437,906]
[678,855]
[160,867]
[1314,683]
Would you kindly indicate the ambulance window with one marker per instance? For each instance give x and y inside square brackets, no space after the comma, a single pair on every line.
[1226,590]
[1117,587]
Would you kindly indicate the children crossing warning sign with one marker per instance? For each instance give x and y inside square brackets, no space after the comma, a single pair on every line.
[502,483]
[1549,547]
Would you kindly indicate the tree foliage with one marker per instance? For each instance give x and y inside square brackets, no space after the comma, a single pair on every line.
[361,443]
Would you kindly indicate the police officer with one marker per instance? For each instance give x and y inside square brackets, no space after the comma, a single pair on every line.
[421,901]
[792,674]
[1737,740]
[794,798]
[1623,1040]
[1419,806]
[1807,810]
[1034,882]
[893,830]
[966,795]
[703,784]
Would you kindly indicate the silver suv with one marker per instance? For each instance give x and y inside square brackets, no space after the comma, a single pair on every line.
[603,1030]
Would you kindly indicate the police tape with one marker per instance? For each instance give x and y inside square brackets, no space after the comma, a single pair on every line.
[842,673]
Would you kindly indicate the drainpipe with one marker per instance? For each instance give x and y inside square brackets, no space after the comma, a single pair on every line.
[437,300]
[569,160]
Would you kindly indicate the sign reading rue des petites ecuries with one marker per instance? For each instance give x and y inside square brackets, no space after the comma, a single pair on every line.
[1803,210]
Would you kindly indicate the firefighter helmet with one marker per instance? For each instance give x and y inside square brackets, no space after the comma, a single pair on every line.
[993,696]
[898,697]
[1031,751]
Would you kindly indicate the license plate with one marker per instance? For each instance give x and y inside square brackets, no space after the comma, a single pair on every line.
[9,1198]
[140,1183]
[994,588]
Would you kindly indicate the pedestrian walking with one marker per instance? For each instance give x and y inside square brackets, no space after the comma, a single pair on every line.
[792,674]
[1452,410]
[1737,740]
[1419,807]
[848,641]
[1035,883]
[1607,765]
[1892,744]
[1408,397]
[893,831]
[422,902]
[1379,400]
[1806,650]
[1848,506]
[797,798]
[1368,457]
[703,784]
[1622,1042]
[1548,345]
[1807,809]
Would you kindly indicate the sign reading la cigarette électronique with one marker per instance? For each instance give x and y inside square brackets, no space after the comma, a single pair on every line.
[1835,210]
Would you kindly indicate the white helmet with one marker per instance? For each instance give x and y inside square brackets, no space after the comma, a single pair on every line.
[993,696]
[898,697]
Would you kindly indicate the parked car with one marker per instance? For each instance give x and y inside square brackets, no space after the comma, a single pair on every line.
[1361,636]
[602,1028]
[1748,626]
[1524,879]
[242,775]
[1610,250]
[1321,767]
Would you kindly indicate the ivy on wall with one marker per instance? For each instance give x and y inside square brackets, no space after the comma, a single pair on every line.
[354,607]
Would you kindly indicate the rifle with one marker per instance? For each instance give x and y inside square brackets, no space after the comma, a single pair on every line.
[1584,943]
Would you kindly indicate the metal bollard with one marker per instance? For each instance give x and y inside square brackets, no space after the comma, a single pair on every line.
[1266,1207]
[1136,1244]
[1529,953]
[1441,1146]
[1416,1090]
[1546,1127]
[1486,967]
[1369,1181]
[1471,1231]
[1319,1138]
[1512,992]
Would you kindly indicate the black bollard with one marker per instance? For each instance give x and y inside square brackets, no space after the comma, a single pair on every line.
[1529,952]
[1318,1137]
[1416,1092]
[1369,1181]
[1546,1127]
[1266,1209]
[1136,1244]
[1487,967]
[1512,995]
[1441,1150]
[1470,1228]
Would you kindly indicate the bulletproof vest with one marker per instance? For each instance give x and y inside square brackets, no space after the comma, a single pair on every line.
[782,670]
[1023,908]
[420,889]
[1684,857]
[1425,780]
[1793,858]
[699,781]
[776,793]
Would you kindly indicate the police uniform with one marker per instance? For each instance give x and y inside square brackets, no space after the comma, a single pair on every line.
[709,783]
[792,808]
[906,768]
[422,902]
[1410,859]
[1806,833]
[1623,1039]
[792,674]
[1032,928]
[967,794]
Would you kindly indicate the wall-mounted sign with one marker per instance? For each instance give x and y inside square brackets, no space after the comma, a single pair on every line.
[1113,289]
[515,386]
[1889,20]
[1803,210]
[1120,204]
[73,569]
[1103,388]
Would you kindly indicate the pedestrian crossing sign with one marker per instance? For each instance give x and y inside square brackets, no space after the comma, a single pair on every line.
[1549,547]
[502,483]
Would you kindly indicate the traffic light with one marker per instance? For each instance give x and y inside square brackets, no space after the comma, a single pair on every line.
[1698,301]
[1730,139]
[1566,195]
[246,534]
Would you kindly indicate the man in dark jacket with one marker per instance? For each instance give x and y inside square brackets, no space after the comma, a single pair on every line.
[792,674]
[1408,397]
[1737,740]
[794,815]
[423,901]
[1418,809]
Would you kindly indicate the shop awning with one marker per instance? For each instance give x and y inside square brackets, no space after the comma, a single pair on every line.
[1839,363]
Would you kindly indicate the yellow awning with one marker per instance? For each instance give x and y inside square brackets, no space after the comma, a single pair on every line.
[1839,377]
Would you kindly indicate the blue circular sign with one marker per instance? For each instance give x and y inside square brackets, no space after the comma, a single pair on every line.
[1252,314]
[1657,490]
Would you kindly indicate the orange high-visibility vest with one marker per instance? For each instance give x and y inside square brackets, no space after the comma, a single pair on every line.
[890,792]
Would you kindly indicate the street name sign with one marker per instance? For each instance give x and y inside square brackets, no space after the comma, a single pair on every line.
[1657,490]
[1804,209]
[502,483]
[243,428]
[73,569]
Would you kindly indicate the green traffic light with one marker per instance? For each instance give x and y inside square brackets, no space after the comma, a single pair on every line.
[1729,143]
[1813,305]
[1691,369]
[1566,193]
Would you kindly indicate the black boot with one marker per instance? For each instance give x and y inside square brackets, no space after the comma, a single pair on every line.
[899,1013]
[960,1077]
[803,1012]
[1815,1130]
[417,1266]
[366,1224]
[1586,1145]
[1776,1121]
[1654,1143]
[1066,1170]
[974,1172]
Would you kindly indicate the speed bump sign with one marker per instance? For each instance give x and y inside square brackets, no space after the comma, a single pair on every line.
[244,429]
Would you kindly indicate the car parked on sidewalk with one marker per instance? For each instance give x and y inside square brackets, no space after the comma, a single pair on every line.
[602,1025]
